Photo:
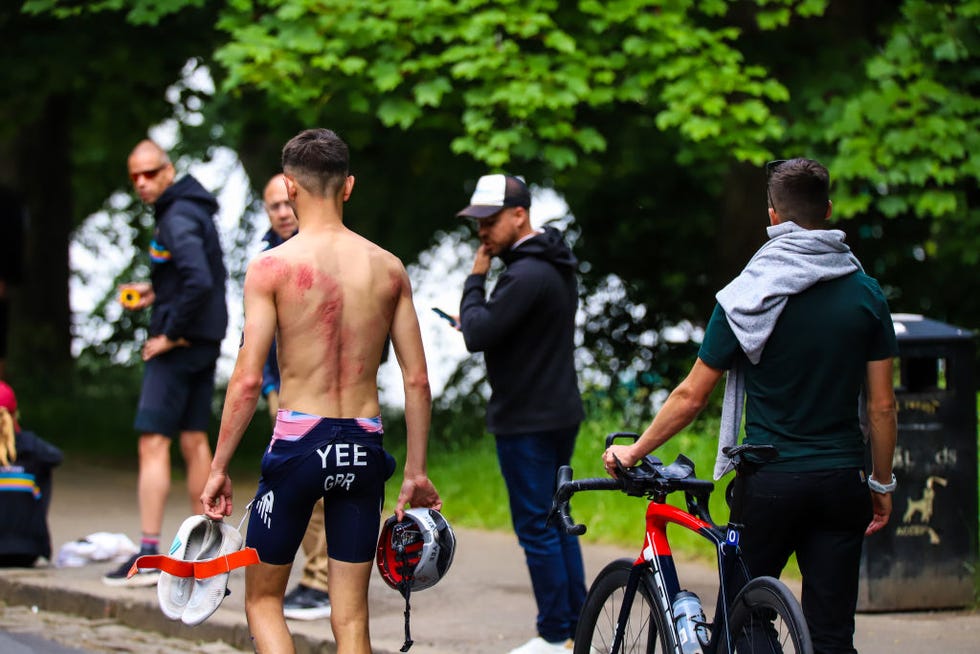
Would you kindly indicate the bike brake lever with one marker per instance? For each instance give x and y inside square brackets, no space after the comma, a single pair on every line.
[621,470]
[559,507]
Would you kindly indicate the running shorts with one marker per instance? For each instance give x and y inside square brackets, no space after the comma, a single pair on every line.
[339,459]
[178,387]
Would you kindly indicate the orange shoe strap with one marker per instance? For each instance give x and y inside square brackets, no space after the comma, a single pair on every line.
[197,569]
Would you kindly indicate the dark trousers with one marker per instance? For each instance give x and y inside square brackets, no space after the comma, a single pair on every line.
[529,463]
[821,516]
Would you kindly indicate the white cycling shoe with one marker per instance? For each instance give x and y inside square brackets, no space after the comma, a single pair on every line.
[194,577]
[194,538]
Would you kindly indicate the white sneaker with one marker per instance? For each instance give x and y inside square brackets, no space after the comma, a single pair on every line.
[540,646]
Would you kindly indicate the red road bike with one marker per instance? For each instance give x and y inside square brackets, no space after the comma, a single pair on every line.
[630,605]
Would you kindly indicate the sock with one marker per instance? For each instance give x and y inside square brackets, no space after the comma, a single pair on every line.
[149,544]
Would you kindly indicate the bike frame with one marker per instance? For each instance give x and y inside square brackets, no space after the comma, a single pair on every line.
[658,558]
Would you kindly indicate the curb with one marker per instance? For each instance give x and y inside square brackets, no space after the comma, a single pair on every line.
[45,589]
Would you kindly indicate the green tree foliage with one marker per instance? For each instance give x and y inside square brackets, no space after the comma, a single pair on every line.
[900,134]
[510,80]
[907,139]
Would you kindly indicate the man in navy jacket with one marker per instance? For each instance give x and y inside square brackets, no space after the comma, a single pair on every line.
[187,324]
[526,331]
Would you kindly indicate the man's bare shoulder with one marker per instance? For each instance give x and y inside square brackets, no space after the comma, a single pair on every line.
[267,267]
[378,255]
[374,248]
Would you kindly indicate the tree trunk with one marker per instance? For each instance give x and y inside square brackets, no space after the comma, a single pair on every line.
[40,344]
[743,220]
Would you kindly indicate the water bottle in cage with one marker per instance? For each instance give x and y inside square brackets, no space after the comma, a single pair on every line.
[690,622]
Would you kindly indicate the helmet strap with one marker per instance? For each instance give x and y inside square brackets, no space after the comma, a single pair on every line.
[406,589]
[405,585]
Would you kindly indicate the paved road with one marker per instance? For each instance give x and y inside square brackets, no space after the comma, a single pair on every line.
[28,643]
[27,631]
[483,606]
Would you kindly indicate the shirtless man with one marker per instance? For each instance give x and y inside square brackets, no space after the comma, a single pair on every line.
[330,297]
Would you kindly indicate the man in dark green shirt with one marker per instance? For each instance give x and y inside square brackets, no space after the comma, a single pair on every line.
[802,331]
[800,397]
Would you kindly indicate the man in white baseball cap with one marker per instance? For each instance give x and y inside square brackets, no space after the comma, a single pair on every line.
[526,331]
[495,192]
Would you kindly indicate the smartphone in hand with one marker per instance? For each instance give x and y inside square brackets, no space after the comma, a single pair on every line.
[445,316]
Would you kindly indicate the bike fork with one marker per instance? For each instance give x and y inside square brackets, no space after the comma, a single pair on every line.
[665,587]
[628,596]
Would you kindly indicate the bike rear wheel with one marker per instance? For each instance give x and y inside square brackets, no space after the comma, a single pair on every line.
[765,618]
[644,629]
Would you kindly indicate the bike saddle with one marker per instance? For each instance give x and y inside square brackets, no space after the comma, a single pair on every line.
[756,453]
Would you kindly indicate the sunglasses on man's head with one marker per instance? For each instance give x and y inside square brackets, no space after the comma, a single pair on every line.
[148,174]
[771,167]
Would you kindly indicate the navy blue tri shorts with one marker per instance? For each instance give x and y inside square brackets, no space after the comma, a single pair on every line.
[339,459]
[178,387]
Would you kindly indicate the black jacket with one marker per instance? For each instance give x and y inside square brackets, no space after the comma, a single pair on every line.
[526,331]
[188,272]
[25,496]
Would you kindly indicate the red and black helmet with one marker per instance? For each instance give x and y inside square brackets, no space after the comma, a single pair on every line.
[416,552]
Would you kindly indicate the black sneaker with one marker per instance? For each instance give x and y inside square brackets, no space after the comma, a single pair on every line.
[305,603]
[142,578]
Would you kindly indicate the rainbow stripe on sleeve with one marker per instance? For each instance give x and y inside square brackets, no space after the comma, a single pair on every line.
[158,253]
[19,482]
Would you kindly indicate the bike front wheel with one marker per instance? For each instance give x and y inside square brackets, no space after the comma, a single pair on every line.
[765,618]
[644,629]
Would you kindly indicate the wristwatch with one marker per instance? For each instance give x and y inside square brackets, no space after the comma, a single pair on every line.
[878,487]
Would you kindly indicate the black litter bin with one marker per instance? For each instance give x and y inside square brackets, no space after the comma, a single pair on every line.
[925,557]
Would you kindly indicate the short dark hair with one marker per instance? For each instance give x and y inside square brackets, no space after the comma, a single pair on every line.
[318,159]
[799,190]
